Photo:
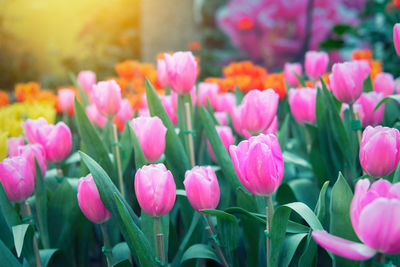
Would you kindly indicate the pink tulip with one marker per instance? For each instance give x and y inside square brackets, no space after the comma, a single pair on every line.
[144,112]
[226,136]
[258,163]
[95,117]
[89,200]
[182,71]
[226,103]
[32,152]
[374,214]
[302,104]
[271,129]
[384,83]
[155,189]
[290,70]
[33,130]
[379,150]
[12,145]
[207,91]
[150,132]
[125,111]
[86,80]
[58,142]
[221,117]
[236,123]
[365,106]
[162,76]
[347,80]
[316,64]
[107,98]
[66,100]
[258,109]
[396,37]
[202,188]
[169,107]
[17,178]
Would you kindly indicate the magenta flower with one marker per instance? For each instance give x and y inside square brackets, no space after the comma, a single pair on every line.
[384,83]
[316,64]
[86,80]
[290,70]
[107,98]
[302,104]
[226,136]
[181,70]
[396,37]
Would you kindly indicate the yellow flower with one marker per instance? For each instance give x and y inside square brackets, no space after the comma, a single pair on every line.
[3,145]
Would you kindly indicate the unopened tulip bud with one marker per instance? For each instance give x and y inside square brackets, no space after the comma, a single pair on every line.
[86,80]
[58,142]
[207,91]
[12,145]
[32,152]
[226,136]
[316,64]
[95,117]
[302,104]
[290,71]
[384,83]
[66,100]
[107,98]
[162,75]
[182,71]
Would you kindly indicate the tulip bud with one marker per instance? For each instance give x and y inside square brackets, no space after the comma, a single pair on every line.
[144,112]
[150,132]
[170,107]
[384,83]
[202,188]
[258,163]
[226,136]
[107,98]
[32,151]
[347,80]
[58,142]
[258,109]
[162,75]
[290,70]
[222,118]
[379,150]
[12,145]
[155,189]
[271,129]
[86,79]
[95,117]
[302,104]
[207,91]
[34,130]
[16,176]
[226,103]
[182,71]
[365,105]
[125,111]
[66,100]
[89,200]
[396,37]
[316,64]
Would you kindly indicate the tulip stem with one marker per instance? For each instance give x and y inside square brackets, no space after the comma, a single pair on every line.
[269,214]
[118,159]
[190,134]
[159,240]
[25,213]
[107,249]
[212,233]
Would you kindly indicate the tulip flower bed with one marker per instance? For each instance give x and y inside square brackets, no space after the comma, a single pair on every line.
[199,175]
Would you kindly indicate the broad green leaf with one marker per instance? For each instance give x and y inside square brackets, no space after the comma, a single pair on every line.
[41,207]
[134,237]
[140,160]
[385,99]
[46,255]
[5,233]
[238,210]
[199,251]
[238,95]
[367,85]
[305,191]
[120,252]
[19,232]
[297,160]
[6,257]
[300,79]
[7,209]
[222,156]
[283,132]
[290,246]
[126,148]
[94,146]
[73,158]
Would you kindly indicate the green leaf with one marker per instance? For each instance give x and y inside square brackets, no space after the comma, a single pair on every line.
[140,160]
[134,237]
[305,191]
[7,209]
[396,175]
[367,84]
[222,156]
[120,252]
[238,210]
[5,233]
[19,232]
[300,79]
[147,227]
[82,93]
[385,99]
[94,146]
[47,254]
[292,158]
[290,246]
[7,258]
[199,251]
[41,207]
[174,149]
[340,222]
[283,132]
[238,95]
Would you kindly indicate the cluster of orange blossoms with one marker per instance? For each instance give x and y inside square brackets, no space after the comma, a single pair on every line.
[366,54]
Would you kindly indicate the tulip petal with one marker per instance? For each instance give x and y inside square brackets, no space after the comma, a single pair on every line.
[343,247]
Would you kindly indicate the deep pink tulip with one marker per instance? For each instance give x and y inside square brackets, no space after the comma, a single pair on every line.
[384,83]
[202,188]
[226,102]
[365,105]
[34,130]
[155,189]
[89,200]
[259,163]
[150,132]
[66,99]
[221,117]
[32,151]
[86,80]
[257,110]
[12,145]
[374,214]
[17,178]
[107,98]
[226,136]
[182,71]
[169,107]
[95,117]
[58,142]
[207,91]
[162,75]
[302,104]
[396,37]
[379,150]
[290,70]
[125,111]
[316,64]
[347,80]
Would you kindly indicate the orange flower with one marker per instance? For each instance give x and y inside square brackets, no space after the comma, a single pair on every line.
[245,23]
[135,100]
[127,69]
[194,46]
[376,67]
[26,91]
[276,81]
[4,99]
[362,54]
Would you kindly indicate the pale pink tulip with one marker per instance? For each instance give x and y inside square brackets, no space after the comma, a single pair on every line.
[95,117]
[207,91]
[290,71]
[66,100]
[107,98]
[12,145]
[226,136]
[384,83]
[86,80]
[302,104]
[181,69]
[316,64]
